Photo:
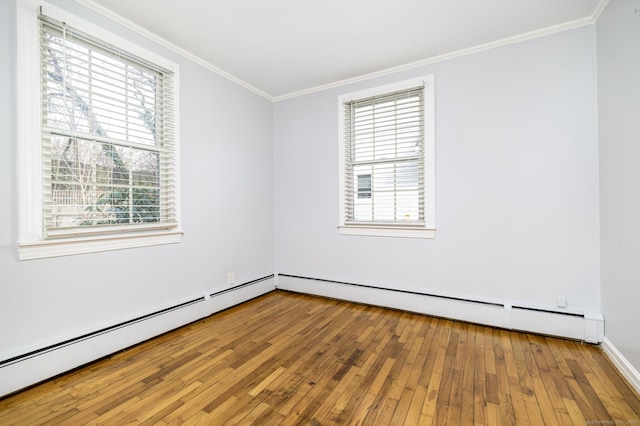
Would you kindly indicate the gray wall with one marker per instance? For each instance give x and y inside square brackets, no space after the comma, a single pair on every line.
[619,138]
[516,182]
[227,214]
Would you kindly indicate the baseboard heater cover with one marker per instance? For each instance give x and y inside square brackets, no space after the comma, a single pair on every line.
[589,328]
[32,367]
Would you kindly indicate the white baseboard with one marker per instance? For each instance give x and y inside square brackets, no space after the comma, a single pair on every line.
[587,328]
[25,371]
[622,364]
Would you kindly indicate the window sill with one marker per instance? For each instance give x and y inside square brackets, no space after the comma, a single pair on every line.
[93,244]
[388,231]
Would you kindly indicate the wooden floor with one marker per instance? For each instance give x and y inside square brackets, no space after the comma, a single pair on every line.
[286,359]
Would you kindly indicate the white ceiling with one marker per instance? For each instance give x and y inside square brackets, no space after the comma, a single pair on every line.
[281,47]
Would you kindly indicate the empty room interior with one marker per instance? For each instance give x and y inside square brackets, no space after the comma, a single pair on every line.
[408,212]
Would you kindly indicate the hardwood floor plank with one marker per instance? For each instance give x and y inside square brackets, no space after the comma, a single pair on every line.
[518,399]
[546,401]
[538,406]
[507,413]
[286,358]
[330,410]
[370,366]
[493,414]
[418,397]
[433,372]
[372,390]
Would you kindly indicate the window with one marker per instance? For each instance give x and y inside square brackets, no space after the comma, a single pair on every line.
[106,151]
[387,168]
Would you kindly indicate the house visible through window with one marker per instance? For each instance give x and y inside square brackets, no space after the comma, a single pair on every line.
[387,169]
[364,186]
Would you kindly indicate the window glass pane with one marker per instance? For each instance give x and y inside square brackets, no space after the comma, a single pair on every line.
[407,208]
[95,183]
[91,91]
[364,186]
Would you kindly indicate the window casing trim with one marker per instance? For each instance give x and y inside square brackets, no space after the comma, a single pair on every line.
[381,229]
[96,243]
[31,235]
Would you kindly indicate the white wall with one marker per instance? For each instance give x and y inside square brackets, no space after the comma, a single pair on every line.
[227,215]
[516,182]
[619,133]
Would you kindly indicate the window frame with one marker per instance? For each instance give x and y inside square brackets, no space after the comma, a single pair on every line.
[390,229]
[32,243]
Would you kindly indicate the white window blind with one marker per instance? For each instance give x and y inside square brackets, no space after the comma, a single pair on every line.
[384,145]
[108,137]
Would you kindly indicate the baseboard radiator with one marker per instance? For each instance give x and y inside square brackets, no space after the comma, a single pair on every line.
[572,325]
[35,365]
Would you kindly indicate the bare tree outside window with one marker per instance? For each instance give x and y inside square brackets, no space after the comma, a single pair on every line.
[100,134]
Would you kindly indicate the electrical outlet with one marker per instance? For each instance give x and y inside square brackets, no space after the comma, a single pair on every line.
[561,302]
[231,279]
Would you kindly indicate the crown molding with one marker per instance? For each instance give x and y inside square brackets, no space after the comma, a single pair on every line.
[597,12]
[167,44]
[456,54]
[592,19]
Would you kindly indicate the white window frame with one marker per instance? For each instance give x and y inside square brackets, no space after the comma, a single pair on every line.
[426,230]
[31,241]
